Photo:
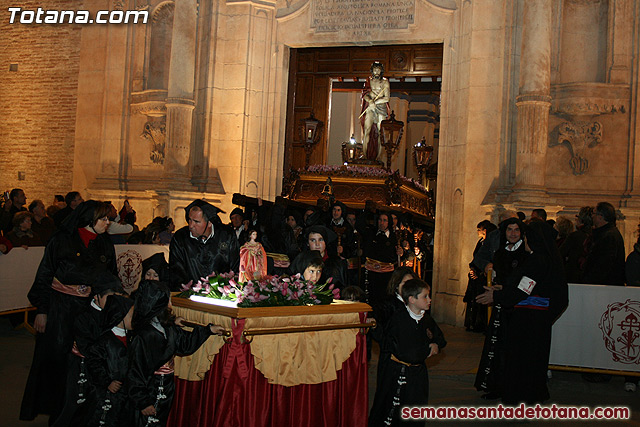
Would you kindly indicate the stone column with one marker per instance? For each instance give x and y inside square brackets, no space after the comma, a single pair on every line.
[180,98]
[534,100]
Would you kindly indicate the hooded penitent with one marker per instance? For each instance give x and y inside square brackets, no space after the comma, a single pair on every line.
[158,263]
[210,211]
[328,235]
[81,215]
[151,300]
[102,280]
[115,310]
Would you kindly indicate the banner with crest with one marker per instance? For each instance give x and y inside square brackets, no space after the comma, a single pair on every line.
[600,329]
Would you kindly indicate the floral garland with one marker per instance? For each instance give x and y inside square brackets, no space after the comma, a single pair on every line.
[360,171]
[268,291]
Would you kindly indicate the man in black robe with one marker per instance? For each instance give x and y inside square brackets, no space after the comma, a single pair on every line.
[346,244]
[202,247]
[381,253]
[237,218]
[537,292]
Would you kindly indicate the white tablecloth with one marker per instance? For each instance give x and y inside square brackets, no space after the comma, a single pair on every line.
[18,269]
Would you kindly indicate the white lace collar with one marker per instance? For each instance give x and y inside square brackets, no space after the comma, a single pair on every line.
[416,317]
[515,246]
[118,331]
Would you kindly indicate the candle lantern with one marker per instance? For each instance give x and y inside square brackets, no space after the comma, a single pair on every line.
[351,150]
[391,134]
[422,154]
[311,132]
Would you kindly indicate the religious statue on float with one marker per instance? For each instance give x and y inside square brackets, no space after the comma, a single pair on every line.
[253,259]
[375,109]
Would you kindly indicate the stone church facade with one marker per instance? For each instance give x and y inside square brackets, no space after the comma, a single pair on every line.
[538,105]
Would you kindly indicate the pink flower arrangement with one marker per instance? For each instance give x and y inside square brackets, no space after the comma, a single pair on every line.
[268,291]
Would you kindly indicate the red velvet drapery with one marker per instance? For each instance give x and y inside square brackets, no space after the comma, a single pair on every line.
[235,394]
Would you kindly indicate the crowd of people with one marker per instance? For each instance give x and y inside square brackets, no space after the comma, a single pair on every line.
[105,358]
[102,355]
[24,225]
[521,268]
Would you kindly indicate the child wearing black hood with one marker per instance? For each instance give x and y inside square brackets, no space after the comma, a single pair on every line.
[80,394]
[155,342]
[108,362]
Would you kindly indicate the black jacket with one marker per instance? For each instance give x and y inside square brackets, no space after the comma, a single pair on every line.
[605,262]
[191,259]
[67,259]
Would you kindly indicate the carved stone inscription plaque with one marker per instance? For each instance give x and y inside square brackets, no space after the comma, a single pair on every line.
[361,17]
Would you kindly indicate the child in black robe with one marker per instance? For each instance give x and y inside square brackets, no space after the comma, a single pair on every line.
[155,342]
[410,336]
[108,362]
[80,398]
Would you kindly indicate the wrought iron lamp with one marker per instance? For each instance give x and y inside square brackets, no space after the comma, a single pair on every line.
[391,134]
[422,154]
[351,150]
[311,132]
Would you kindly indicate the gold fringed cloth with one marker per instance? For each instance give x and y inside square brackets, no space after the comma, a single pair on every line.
[302,358]
[285,359]
[294,375]
[194,367]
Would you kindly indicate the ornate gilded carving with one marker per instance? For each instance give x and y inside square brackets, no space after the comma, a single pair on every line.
[394,189]
[577,137]
[389,190]
[288,183]
[155,132]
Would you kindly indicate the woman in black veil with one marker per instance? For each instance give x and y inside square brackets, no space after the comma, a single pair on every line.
[60,292]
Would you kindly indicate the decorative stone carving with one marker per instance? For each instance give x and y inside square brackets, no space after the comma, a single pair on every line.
[589,99]
[163,12]
[577,137]
[155,132]
[141,5]
[151,103]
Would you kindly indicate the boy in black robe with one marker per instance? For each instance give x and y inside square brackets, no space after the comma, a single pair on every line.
[107,364]
[80,398]
[156,340]
[410,337]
